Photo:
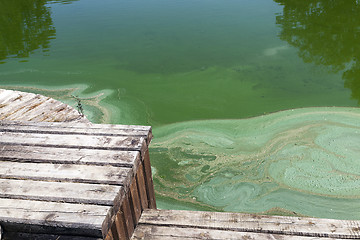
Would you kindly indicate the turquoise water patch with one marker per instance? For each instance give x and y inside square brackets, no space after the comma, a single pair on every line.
[283,162]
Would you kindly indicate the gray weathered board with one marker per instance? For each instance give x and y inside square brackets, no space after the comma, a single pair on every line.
[65,178]
[23,106]
[175,224]
[29,236]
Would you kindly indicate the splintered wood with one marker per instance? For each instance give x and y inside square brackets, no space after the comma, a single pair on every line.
[22,106]
[74,180]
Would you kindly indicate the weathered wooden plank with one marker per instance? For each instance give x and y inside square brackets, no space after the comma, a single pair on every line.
[5,95]
[50,110]
[113,232]
[129,222]
[65,173]
[52,217]
[30,236]
[44,161]
[105,128]
[109,236]
[239,222]
[135,201]
[72,141]
[22,106]
[23,109]
[78,128]
[13,101]
[120,225]
[9,94]
[68,155]
[53,110]
[151,232]
[99,194]
[8,110]
[141,187]
[149,181]
[112,215]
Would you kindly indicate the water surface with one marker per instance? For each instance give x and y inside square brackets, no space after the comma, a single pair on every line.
[169,63]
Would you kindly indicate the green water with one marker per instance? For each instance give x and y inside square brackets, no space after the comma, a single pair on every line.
[302,162]
[221,63]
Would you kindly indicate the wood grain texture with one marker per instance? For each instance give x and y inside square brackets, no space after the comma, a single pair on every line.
[18,153]
[113,232]
[149,181]
[13,101]
[239,222]
[109,236]
[150,232]
[99,194]
[61,174]
[142,187]
[105,128]
[65,173]
[135,201]
[29,236]
[55,217]
[22,106]
[72,141]
[78,128]
[120,225]
[129,221]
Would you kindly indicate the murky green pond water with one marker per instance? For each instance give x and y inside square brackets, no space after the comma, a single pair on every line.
[199,72]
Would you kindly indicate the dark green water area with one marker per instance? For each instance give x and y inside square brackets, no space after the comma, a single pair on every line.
[253,103]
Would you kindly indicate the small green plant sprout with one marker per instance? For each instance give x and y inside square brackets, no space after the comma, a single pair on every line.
[79,106]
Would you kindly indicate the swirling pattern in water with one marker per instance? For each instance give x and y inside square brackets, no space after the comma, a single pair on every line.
[297,162]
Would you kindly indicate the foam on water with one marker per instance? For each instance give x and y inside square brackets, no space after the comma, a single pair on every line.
[297,162]
[274,50]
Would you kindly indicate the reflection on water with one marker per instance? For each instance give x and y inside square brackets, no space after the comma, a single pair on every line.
[163,62]
[301,162]
[61,1]
[25,26]
[326,33]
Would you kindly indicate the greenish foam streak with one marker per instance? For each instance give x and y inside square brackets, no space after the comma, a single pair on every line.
[303,162]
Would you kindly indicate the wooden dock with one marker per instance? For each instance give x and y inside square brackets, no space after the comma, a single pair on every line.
[23,106]
[73,178]
[175,225]
[78,180]
[62,177]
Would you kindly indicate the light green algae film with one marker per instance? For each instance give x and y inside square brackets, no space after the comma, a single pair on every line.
[178,64]
[298,162]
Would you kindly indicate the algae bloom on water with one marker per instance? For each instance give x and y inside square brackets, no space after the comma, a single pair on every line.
[298,162]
